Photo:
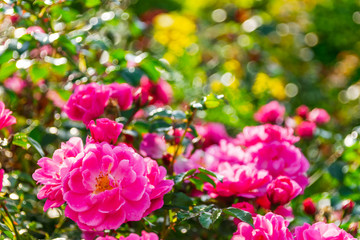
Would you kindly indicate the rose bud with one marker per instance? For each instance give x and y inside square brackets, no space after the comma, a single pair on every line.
[302,111]
[309,206]
[281,190]
[353,228]
[348,206]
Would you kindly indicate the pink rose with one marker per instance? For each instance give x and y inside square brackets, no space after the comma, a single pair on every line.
[306,129]
[211,157]
[15,84]
[54,169]
[109,185]
[224,152]
[196,160]
[122,93]
[5,116]
[282,189]
[265,133]
[302,111]
[87,102]
[153,145]
[105,130]
[106,238]
[285,211]
[159,93]
[280,158]
[239,180]
[273,112]
[321,231]
[212,133]
[269,227]
[318,116]
[157,186]
[144,236]
[90,235]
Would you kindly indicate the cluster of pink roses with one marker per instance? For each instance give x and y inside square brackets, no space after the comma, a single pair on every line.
[89,101]
[309,120]
[104,184]
[304,123]
[261,163]
[274,227]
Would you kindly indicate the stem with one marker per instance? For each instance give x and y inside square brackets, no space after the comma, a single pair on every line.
[136,109]
[164,230]
[191,118]
[59,225]
[11,220]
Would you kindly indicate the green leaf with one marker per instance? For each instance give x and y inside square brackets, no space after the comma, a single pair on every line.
[37,146]
[7,69]
[205,178]
[66,44]
[9,234]
[6,56]
[160,112]
[160,126]
[182,215]
[180,177]
[149,68]
[181,200]
[38,72]
[216,214]
[205,219]
[240,214]
[92,3]
[141,126]
[21,140]
[193,131]
[118,54]
[177,114]
[216,175]
[199,185]
[212,101]
[4,227]
[132,76]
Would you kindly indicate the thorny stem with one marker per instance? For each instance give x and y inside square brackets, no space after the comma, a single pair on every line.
[11,220]
[189,121]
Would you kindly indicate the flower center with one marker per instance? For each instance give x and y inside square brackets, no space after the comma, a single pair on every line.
[104,182]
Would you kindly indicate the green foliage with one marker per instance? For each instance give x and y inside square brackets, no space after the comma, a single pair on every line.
[307,51]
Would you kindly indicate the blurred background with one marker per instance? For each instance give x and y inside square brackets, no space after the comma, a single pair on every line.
[251,51]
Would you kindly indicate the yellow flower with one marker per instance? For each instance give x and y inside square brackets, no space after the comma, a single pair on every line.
[277,88]
[175,31]
[233,66]
[267,85]
[217,86]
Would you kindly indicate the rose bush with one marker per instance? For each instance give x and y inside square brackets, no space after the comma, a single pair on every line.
[146,120]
